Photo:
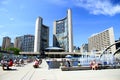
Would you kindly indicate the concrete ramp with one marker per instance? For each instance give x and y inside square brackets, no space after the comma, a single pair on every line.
[44,64]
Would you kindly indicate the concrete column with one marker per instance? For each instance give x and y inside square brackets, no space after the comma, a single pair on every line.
[69,17]
[37,34]
[54,34]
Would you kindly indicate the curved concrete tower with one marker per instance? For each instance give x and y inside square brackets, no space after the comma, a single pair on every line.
[37,34]
[70,35]
[62,33]
[41,36]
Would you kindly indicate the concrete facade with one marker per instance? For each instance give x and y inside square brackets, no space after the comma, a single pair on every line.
[6,42]
[25,43]
[41,36]
[18,42]
[84,48]
[62,33]
[102,40]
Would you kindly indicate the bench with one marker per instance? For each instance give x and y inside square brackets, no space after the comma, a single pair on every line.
[63,68]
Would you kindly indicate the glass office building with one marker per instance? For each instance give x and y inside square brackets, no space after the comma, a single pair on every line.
[25,43]
[62,34]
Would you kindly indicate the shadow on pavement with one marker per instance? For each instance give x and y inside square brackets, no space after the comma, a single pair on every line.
[10,69]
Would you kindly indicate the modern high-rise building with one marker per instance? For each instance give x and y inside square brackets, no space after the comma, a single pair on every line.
[12,45]
[41,36]
[25,43]
[18,42]
[6,42]
[84,48]
[102,40]
[62,34]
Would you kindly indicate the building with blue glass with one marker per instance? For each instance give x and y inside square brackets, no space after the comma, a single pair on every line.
[62,33]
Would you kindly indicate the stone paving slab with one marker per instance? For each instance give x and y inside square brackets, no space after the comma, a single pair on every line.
[43,73]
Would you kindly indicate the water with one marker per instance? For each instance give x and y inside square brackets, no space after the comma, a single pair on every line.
[108,58]
[84,61]
[105,59]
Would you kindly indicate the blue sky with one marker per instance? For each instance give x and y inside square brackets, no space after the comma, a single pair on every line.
[17,17]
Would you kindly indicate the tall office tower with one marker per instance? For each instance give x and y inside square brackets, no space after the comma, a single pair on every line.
[12,45]
[28,43]
[18,42]
[84,48]
[6,42]
[25,43]
[41,36]
[62,33]
[102,40]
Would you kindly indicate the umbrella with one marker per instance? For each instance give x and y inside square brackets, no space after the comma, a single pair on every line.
[68,56]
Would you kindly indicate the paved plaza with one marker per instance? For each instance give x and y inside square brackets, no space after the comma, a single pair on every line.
[27,72]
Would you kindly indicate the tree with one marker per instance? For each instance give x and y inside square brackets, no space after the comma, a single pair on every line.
[15,50]
[0,55]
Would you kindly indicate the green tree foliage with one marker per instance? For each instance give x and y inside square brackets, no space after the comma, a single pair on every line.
[15,50]
[0,55]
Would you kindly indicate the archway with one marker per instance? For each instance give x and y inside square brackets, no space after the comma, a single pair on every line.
[110,47]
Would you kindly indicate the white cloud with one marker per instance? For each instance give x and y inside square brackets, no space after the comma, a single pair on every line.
[4,2]
[96,7]
[11,19]
[3,10]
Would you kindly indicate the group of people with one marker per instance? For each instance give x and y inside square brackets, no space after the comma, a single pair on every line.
[18,62]
[94,65]
[37,62]
[6,63]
